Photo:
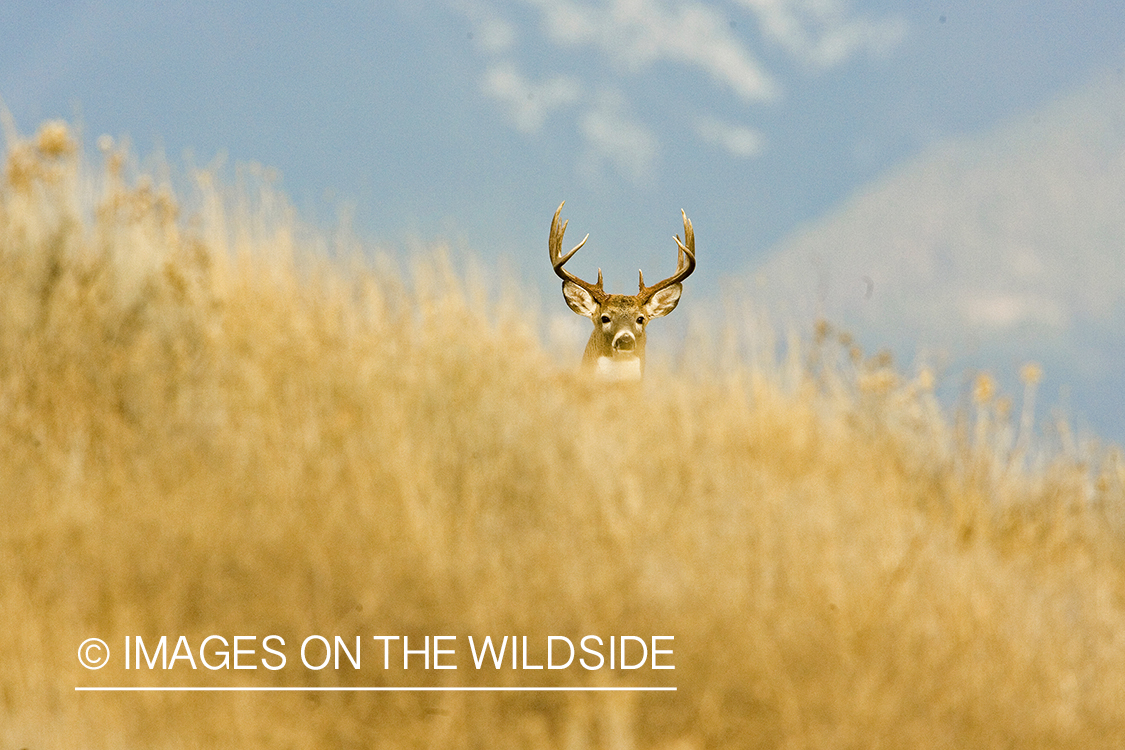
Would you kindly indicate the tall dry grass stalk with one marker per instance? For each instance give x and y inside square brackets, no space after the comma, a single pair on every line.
[208,429]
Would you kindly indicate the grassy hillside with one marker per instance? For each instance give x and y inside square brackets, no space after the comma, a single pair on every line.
[210,429]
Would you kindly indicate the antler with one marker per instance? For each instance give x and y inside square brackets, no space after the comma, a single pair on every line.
[558,259]
[683,267]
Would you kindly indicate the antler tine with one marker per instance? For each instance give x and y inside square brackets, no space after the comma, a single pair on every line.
[576,248]
[685,262]
[558,260]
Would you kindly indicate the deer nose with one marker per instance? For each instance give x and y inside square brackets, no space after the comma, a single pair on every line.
[624,341]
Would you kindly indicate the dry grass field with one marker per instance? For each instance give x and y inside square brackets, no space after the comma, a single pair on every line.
[210,427]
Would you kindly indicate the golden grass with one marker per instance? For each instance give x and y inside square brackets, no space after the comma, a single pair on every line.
[209,428]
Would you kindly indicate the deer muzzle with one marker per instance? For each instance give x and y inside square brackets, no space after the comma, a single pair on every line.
[625,343]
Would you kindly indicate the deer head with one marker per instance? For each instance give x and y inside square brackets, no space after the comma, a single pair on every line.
[616,349]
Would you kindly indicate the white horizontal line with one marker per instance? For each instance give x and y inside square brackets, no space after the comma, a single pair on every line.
[134,689]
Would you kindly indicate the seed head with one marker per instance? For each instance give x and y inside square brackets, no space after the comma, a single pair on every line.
[984,388]
[54,141]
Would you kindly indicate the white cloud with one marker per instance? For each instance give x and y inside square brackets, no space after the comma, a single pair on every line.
[822,33]
[1001,310]
[614,136]
[638,33]
[491,32]
[739,140]
[495,35]
[529,102]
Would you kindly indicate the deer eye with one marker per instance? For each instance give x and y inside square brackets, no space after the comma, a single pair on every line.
[641,320]
[605,318]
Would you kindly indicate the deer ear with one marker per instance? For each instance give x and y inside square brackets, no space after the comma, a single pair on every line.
[579,300]
[664,301]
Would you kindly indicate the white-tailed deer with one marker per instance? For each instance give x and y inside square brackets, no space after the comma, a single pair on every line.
[616,349]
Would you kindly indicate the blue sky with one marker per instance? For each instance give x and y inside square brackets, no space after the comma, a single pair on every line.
[469,120]
[754,115]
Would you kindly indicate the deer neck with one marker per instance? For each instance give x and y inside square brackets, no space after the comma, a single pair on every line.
[618,369]
[614,367]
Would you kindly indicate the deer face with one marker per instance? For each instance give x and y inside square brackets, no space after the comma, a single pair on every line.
[616,348]
[618,338]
